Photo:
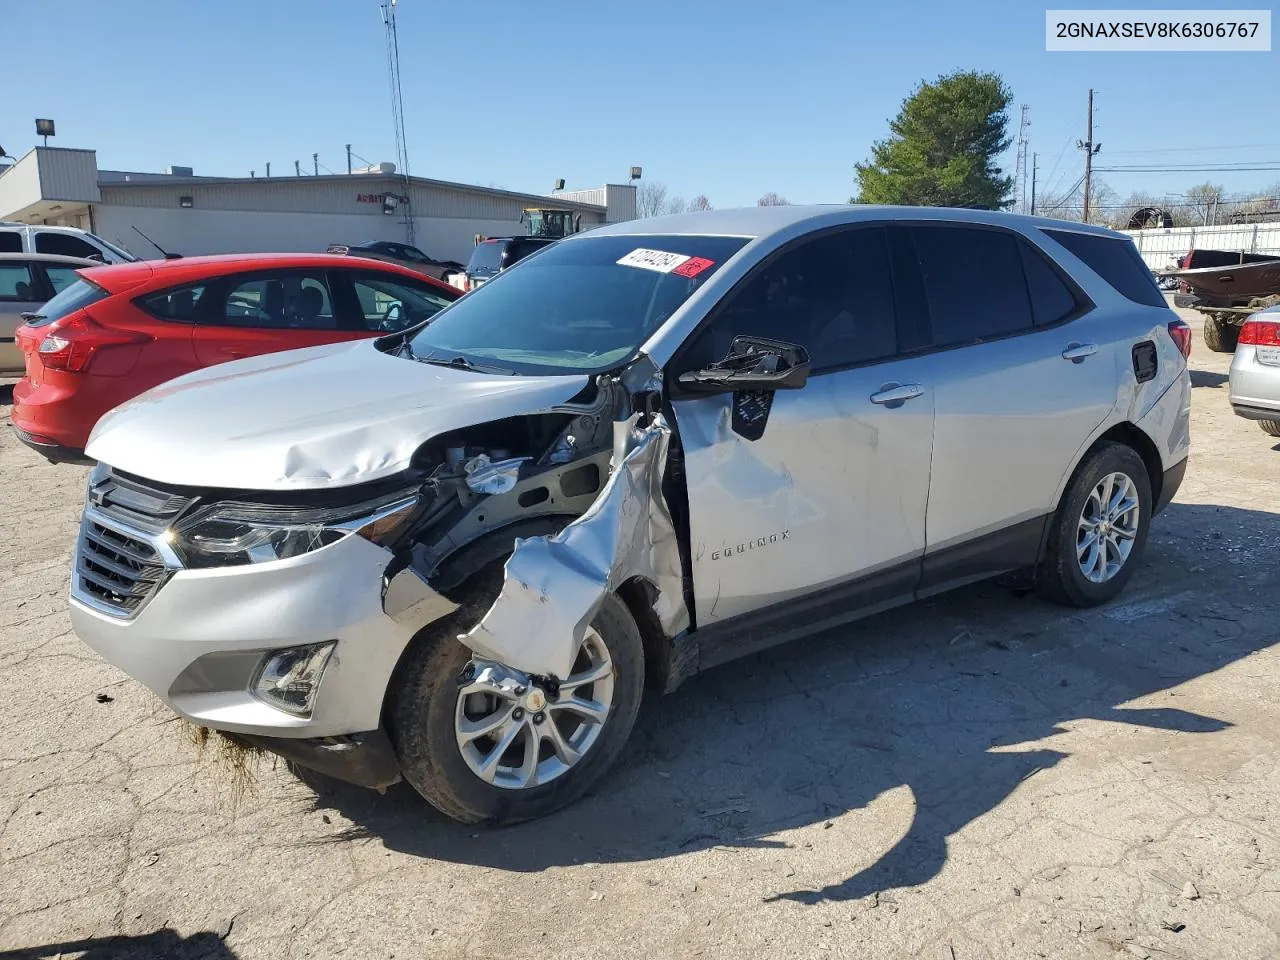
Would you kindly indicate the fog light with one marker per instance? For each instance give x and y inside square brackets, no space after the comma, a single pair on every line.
[288,679]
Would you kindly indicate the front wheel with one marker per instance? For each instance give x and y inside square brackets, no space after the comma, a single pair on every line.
[482,742]
[1100,529]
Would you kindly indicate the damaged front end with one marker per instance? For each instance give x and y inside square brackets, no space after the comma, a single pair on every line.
[579,490]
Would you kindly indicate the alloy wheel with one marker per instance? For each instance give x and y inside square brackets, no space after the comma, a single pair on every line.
[1108,527]
[516,732]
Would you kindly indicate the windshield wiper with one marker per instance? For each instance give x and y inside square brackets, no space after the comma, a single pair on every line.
[462,363]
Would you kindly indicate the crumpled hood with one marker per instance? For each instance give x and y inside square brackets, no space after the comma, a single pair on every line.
[306,419]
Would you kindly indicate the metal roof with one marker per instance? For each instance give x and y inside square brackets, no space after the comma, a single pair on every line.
[530,199]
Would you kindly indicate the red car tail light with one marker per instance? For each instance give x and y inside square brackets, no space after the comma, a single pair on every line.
[1260,333]
[71,344]
[1181,334]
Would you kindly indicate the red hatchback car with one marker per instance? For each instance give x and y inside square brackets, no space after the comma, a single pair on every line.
[122,329]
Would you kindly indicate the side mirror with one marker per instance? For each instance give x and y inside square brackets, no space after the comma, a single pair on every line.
[753,363]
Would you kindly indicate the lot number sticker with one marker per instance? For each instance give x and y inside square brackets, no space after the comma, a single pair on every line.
[657,260]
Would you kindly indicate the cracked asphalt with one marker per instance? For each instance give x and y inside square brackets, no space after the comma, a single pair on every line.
[977,776]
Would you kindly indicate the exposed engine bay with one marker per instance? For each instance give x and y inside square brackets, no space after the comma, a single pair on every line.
[580,488]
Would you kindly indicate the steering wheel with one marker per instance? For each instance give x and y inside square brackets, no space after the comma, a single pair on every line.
[391,319]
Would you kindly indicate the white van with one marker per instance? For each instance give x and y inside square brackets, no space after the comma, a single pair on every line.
[66,241]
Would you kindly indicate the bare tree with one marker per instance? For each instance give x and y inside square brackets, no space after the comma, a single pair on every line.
[1204,202]
[771,199]
[700,202]
[653,200]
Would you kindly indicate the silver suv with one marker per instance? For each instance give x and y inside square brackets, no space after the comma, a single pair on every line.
[458,555]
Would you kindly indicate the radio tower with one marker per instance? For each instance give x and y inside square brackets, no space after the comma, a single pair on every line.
[388,8]
[1020,174]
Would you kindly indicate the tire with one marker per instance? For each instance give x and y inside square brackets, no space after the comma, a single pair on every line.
[1220,337]
[1270,427]
[423,699]
[1060,576]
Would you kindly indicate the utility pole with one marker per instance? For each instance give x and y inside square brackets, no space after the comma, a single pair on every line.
[348,158]
[1089,148]
[315,163]
[1034,163]
[1020,171]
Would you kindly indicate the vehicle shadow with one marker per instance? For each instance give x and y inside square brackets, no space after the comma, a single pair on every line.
[934,697]
[169,944]
[1207,378]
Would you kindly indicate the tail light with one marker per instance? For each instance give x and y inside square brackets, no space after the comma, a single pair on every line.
[1260,333]
[1186,261]
[71,344]
[1181,334]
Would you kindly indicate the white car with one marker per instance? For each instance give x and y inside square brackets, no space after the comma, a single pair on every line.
[63,241]
[458,554]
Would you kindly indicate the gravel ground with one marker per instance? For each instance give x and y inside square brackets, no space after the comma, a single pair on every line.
[975,776]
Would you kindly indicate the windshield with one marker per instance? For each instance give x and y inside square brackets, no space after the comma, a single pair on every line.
[579,306]
[74,296]
[124,255]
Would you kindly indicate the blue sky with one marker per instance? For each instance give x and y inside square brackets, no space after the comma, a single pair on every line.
[731,99]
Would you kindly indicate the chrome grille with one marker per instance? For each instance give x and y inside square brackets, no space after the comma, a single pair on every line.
[120,572]
[121,560]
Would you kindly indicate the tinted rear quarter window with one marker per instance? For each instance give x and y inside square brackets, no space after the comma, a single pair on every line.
[1116,261]
[1051,299]
[10,241]
[519,249]
[974,283]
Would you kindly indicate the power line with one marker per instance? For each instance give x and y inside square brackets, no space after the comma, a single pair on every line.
[1243,146]
[1269,166]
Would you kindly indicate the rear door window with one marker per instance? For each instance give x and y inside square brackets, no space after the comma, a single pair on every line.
[1117,261]
[17,285]
[974,283]
[60,277]
[66,244]
[10,241]
[287,300]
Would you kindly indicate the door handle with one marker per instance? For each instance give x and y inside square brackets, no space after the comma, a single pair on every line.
[896,394]
[1076,352]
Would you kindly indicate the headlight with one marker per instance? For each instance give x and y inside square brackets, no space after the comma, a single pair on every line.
[232,534]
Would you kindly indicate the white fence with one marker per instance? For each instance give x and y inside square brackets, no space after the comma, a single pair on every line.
[1159,248]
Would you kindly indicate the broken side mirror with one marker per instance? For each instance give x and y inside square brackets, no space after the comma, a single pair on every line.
[753,363]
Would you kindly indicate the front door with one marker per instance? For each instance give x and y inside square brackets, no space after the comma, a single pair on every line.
[820,486]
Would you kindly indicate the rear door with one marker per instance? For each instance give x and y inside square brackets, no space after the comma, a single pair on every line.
[268,311]
[22,290]
[1022,378]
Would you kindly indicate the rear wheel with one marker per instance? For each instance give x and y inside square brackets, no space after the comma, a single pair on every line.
[1270,427]
[483,742]
[1220,337]
[1100,529]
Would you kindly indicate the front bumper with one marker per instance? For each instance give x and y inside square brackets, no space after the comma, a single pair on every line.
[198,640]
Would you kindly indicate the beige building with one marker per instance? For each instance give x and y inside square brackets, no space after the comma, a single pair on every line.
[193,215]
